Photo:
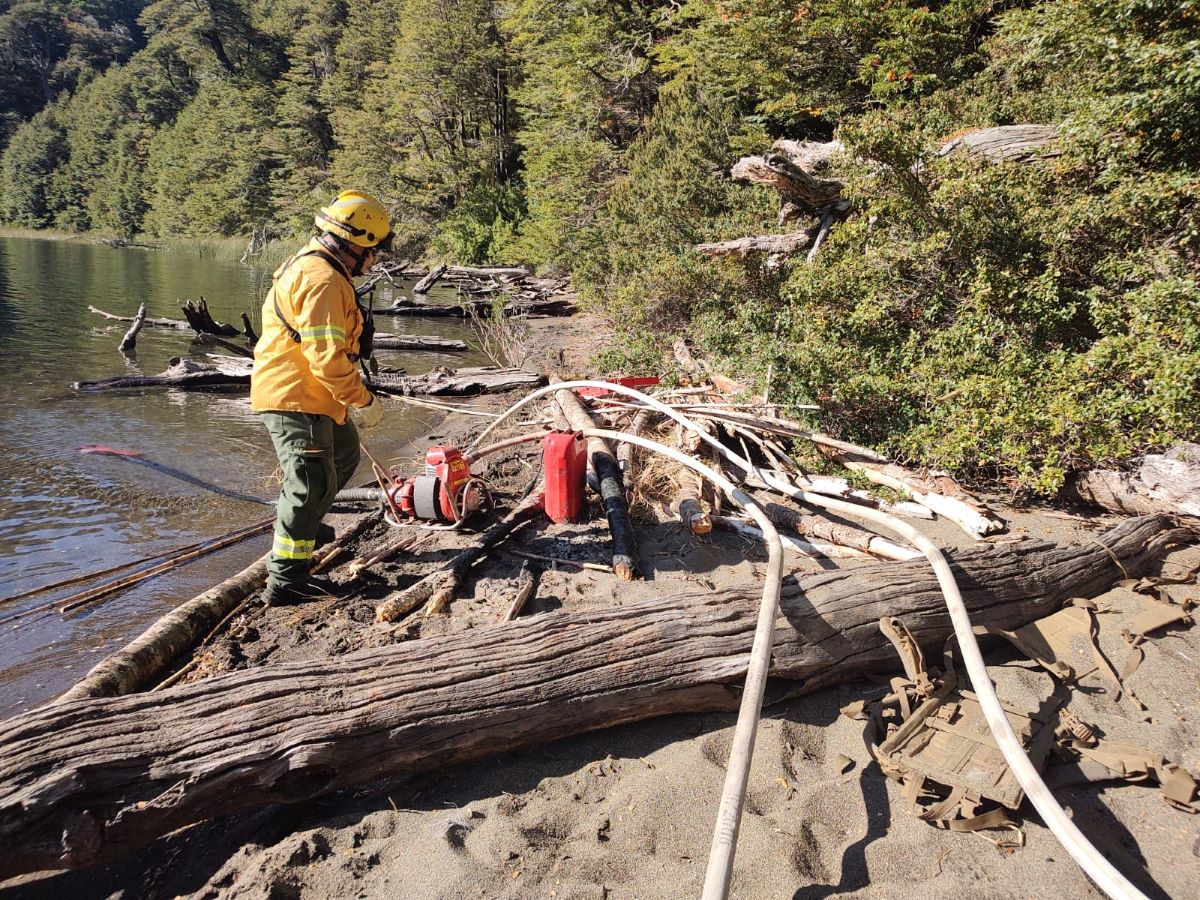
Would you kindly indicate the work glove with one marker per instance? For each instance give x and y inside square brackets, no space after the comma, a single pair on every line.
[367,416]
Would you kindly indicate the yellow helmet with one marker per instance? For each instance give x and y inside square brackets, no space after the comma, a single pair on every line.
[358,218]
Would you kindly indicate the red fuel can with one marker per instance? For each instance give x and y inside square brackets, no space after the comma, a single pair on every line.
[564,461]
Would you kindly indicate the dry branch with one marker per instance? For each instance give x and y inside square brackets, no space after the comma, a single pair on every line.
[89,781]
[129,341]
[811,547]
[202,322]
[773,244]
[138,665]
[438,587]
[837,533]
[178,324]
[423,286]
[526,585]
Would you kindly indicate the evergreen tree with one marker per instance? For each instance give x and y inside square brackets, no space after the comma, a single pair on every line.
[27,170]
[203,180]
[586,88]
[300,139]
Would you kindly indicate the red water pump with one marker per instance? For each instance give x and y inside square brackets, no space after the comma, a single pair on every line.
[446,492]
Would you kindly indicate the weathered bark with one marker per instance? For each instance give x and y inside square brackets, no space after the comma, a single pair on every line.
[1007,143]
[439,587]
[563,305]
[89,781]
[423,286]
[459,382]
[384,341]
[151,322]
[811,547]
[180,373]
[129,341]
[792,183]
[775,244]
[625,558]
[1163,483]
[142,661]
[202,322]
[232,372]
[837,533]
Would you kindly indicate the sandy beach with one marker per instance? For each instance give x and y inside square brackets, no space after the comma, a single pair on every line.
[628,812]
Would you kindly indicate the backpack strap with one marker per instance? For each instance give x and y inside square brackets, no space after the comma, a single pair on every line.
[334,263]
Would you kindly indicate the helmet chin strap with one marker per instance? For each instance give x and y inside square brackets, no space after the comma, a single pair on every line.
[345,249]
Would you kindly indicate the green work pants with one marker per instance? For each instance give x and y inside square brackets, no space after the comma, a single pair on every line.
[317,457]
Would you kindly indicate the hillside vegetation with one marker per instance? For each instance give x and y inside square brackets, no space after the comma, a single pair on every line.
[1008,322]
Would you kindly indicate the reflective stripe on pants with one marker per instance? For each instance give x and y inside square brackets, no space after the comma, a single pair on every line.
[318,458]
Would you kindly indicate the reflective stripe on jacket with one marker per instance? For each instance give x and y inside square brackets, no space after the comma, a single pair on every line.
[317,374]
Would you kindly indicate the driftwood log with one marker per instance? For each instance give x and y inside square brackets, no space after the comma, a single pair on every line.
[129,341]
[204,339]
[180,373]
[561,305]
[1162,483]
[150,322]
[459,382]
[140,662]
[385,341]
[423,286]
[202,322]
[235,373]
[88,781]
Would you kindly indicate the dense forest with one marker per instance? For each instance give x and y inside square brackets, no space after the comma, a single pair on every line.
[1009,322]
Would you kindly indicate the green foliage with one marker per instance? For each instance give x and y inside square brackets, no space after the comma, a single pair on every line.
[586,89]
[207,182]
[27,171]
[1010,321]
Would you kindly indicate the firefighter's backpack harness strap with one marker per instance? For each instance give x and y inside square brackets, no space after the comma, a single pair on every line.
[334,263]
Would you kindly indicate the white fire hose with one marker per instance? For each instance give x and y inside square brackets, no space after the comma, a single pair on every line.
[724,844]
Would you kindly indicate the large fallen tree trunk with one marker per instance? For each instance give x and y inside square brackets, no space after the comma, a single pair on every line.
[232,372]
[88,781]
[180,373]
[384,341]
[458,382]
[562,305]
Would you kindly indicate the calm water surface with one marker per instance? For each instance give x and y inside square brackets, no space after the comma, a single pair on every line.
[63,512]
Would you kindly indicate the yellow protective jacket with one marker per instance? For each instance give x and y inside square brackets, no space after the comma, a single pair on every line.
[316,375]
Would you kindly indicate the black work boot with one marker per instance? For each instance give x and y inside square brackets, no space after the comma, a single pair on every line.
[313,587]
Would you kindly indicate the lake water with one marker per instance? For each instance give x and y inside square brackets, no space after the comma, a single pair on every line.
[64,513]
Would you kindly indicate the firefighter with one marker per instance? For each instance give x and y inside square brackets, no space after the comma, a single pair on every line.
[305,384]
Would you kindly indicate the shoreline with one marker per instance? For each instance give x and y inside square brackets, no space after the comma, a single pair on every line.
[628,811]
